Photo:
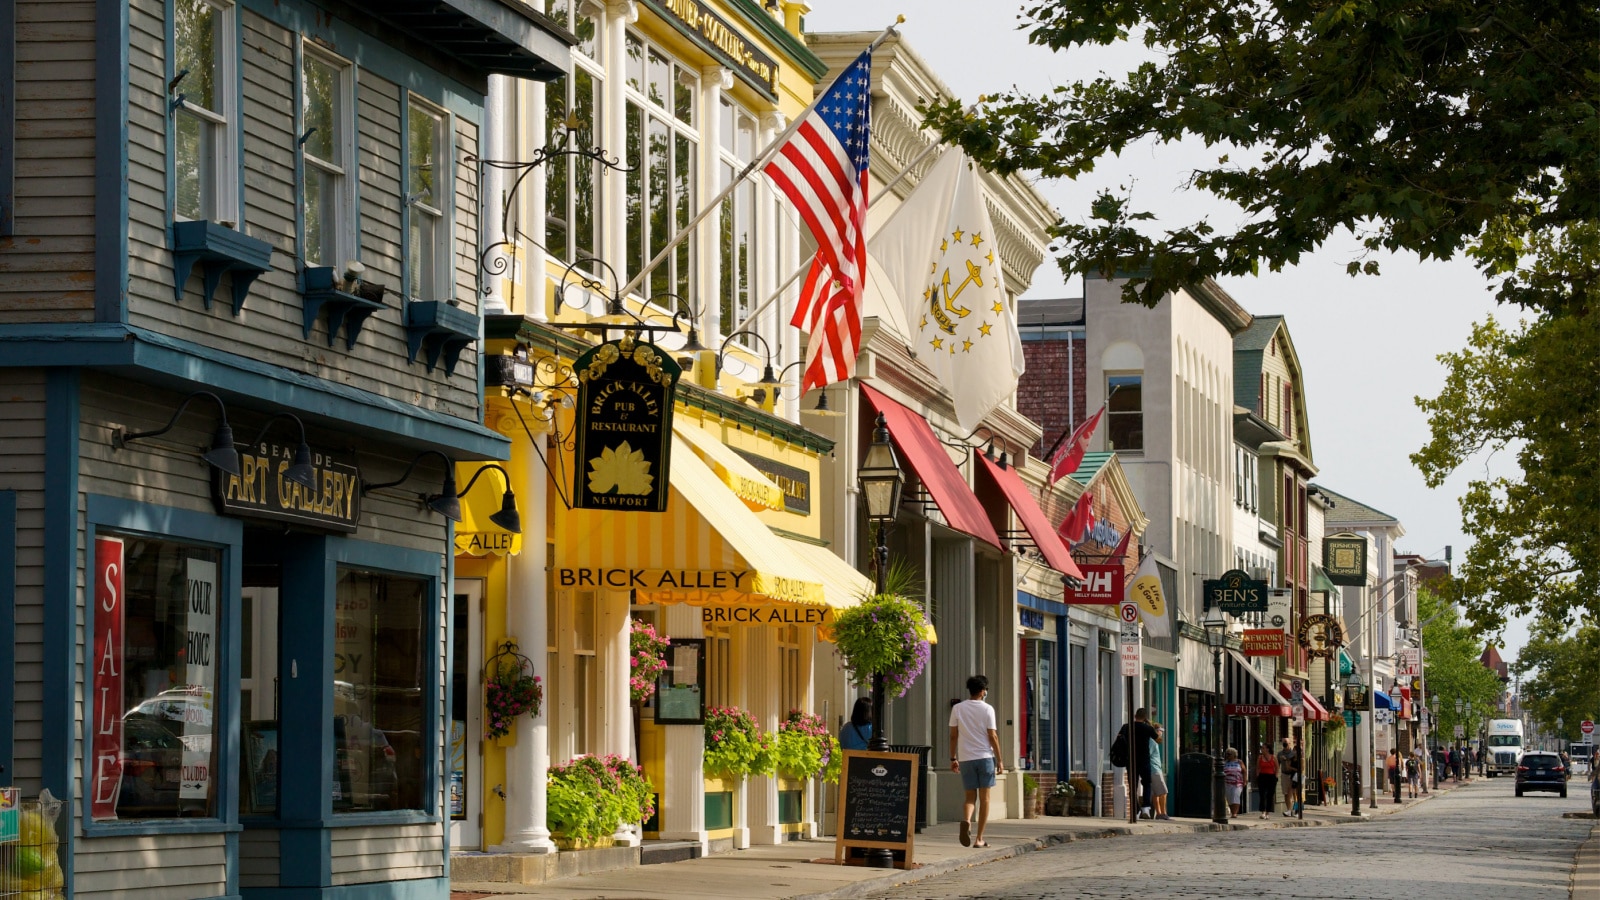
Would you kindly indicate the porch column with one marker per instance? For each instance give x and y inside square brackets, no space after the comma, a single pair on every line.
[616,706]
[761,676]
[683,797]
[528,761]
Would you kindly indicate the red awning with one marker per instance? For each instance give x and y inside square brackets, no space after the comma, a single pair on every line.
[916,441]
[1314,710]
[1033,518]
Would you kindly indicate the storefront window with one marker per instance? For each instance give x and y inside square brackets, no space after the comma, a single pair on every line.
[170,618]
[379,725]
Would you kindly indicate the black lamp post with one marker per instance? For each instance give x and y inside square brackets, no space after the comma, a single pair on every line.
[1217,637]
[881,481]
[1355,698]
[1433,726]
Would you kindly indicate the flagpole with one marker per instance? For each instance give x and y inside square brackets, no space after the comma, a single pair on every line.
[806,267]
[761,160]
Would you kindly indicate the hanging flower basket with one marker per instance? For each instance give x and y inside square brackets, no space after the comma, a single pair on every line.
[647,653]
[886,633]
[510,689]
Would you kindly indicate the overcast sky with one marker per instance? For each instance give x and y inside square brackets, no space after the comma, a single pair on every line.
[1368,345]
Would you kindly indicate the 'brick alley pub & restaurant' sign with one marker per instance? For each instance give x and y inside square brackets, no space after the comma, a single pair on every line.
[261,490]
[623,433]
[1236,593]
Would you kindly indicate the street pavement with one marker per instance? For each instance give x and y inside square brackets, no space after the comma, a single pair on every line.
[1479,842]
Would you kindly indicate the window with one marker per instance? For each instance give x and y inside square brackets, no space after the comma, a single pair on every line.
[585,696]
[661,144]
[380,724]
[719,665]
[325,110]
[572,188]
[1288,410]
[738,219]
[427,198]
[1125,413]
[170,638]
[791,674]
[205,175]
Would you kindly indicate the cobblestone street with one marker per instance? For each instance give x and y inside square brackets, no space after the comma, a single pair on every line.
[1476,843]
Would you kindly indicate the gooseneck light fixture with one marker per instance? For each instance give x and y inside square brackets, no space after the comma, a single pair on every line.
[446,503]
[507,518]
[301,472]
[222,454]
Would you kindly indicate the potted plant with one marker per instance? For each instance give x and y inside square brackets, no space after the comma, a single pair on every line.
[588,798]
[510,689]
[1060,799]
[803,747]
[1030,796]
[735,746]
[647,656]
[886,633]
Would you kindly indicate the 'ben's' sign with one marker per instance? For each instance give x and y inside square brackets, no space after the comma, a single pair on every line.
[623,437]
[262,489]
[1236,593]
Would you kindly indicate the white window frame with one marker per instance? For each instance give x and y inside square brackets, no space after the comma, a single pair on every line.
[345,244]
[441,210]
[573,17]
[729,155]
[680,265]
[219,194]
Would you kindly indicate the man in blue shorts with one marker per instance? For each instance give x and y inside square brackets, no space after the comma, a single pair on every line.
[975,754]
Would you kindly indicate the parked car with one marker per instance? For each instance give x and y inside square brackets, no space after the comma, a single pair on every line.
[1594,793]
[151,761]
[1541,771]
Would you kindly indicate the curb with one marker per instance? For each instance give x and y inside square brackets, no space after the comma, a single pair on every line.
[1586,867]
[899,878]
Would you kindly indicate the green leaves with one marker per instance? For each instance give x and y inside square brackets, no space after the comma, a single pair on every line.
[1419,122]
[1558,665]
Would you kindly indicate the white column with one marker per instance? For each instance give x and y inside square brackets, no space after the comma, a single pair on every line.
[531,136]
[614,225]
[683,797]
[713,81]
[491,218]
[617,706]
[528,761]
[762,690]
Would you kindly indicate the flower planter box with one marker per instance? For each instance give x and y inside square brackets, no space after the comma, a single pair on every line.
[563,842]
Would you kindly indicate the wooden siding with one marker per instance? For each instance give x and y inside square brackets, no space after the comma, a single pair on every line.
[47,267]
[22,455]
[466,239]
[258,858]
[168,471]
[151,867]
[270,327]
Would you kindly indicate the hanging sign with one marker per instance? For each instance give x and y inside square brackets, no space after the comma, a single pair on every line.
[1263,642]
[260,490]
[1102,585]
[1280,608]
[623,429]
[794,481]
[1236,592]
[1344,559]
[106,773]
[1410,662]
[1322,635]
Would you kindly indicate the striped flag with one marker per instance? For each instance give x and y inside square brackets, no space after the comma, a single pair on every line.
[822,169]
[1078,520]
[1069,455]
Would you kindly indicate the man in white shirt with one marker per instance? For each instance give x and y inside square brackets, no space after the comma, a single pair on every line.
[975,754]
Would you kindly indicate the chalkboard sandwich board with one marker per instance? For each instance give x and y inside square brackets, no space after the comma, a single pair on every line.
[877,803]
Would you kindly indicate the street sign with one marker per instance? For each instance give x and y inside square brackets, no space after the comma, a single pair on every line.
[1236,593]
[1461,732]
[1587,727]
[1128,612]
[1131,652]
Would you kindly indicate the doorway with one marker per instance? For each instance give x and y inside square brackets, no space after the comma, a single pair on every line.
[466,716]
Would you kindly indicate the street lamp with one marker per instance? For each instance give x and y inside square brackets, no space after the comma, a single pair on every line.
[1433,759]
[1355,698]
[881,481]
[1217,636]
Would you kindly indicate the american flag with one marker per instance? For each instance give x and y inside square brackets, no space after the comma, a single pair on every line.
[822,169]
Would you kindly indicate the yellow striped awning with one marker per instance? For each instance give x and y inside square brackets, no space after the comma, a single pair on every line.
[475,534]
[746,481]
[707,549]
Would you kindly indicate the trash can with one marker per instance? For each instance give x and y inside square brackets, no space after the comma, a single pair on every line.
[1189,795]
[923,774]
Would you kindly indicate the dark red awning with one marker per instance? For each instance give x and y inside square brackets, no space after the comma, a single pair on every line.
[1033,518]
[1315,712]
[914,438]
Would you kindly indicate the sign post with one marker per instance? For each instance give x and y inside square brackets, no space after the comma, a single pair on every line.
[1132,662]
[877,805]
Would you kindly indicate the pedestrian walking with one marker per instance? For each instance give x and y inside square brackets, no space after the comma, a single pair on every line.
[1289,775]
[1455,763]
[975,755]
[856,733]
[1158,778]
[1135,753]
[1266,778]
[1420,762]
[1391,768]
[1413,773]
[1233,780]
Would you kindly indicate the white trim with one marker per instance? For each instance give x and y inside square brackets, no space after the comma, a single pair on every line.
[346,245]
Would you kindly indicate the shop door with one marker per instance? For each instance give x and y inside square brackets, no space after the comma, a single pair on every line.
[466,717]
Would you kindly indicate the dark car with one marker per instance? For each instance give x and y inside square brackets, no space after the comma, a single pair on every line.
[1594,794]
[1541,772]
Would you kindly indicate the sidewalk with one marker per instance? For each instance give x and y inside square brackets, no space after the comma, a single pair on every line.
[803,870]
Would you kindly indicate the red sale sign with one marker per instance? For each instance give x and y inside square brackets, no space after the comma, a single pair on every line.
[106,742]
[1102,585]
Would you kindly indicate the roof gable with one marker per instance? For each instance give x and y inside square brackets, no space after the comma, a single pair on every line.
[1353,513]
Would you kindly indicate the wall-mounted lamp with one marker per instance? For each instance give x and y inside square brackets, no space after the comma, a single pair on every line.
[508,517]
[988,452]
[822,408]
[446,503]
[301,472]
[222,453]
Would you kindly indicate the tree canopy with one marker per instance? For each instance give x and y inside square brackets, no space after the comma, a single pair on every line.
[1451,668]
[1532,391]
[1561,669]
[1421,126]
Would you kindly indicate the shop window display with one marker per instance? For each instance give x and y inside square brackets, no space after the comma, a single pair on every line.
[171,612]
[379,724]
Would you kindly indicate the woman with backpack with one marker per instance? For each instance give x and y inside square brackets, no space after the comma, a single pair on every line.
[1266,778]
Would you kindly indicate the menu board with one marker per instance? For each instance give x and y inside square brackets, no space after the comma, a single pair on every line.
[877,803]
[679,698]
